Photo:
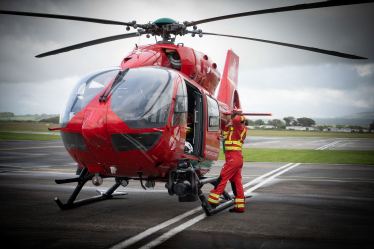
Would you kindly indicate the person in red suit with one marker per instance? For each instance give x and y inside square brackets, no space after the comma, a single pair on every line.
[232,169]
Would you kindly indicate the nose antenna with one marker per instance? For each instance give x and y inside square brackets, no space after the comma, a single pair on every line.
[140,173]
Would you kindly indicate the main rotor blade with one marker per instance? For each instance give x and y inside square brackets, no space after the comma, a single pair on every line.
[284,9]
[87,44]
[73,18]
[317,50]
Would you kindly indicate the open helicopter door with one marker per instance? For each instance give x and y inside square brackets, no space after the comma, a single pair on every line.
[195,124]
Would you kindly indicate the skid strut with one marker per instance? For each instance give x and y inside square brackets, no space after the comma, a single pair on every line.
[228,199]
[81,180]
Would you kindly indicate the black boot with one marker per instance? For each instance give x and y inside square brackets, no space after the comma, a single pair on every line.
[214,205]
[233,210]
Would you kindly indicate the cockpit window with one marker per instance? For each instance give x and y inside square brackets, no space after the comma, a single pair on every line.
[143,98]
[84,91]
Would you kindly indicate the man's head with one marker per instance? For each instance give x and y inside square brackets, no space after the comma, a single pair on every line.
[234,114]
[244,122]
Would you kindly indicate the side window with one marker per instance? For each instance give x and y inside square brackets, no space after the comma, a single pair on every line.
[213,114]
[180,106]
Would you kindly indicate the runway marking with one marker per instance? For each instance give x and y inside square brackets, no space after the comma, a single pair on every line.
[11,167]
[270,178]
[265,175]
[328,145]
[28,148]
[154,229]
[189,223]
[307,177]
[173,232]
[180,228]
[48,169]
[330,178]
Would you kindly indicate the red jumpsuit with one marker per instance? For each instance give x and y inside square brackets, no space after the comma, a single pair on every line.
[232,169]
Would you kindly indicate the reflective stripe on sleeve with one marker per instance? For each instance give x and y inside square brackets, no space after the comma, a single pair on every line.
[241,135]
[232,148]
[233,142]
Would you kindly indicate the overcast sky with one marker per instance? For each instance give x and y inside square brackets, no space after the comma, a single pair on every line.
[280,80]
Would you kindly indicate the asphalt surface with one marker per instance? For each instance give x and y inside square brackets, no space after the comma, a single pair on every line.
[297,206]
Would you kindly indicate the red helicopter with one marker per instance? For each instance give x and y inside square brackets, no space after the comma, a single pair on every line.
[157,117]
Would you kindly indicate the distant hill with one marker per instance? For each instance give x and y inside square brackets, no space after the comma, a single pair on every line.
[361,115]
[27,117]
[361,119]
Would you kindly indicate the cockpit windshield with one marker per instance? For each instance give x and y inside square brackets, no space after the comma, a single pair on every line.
[84,91]
[143,98]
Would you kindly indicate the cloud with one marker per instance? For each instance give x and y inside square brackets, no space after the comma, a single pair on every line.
[312,91]
[308,102]
[283,76]
[30,98]
[365,70]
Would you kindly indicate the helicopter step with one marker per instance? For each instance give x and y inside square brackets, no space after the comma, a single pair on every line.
[226,199]
[184,183]
[209,210]
[82,179]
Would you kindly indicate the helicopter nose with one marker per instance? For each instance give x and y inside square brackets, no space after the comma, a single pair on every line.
[94,130]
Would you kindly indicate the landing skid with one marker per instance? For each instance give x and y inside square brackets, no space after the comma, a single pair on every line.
[225,202]
[82,179]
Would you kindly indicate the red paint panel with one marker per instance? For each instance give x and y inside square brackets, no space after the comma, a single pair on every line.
[94,131]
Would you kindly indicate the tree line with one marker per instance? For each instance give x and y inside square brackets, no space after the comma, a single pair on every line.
[307,122]
[6,114]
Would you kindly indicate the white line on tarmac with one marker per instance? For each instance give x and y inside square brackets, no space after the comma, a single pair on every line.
[29,148]
[270,178]
[260,177]
[267,174]
[191,222]
[327,145]
[173,232]
[154,229]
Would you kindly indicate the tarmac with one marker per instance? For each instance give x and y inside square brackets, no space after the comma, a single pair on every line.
[310,143]
[292,206]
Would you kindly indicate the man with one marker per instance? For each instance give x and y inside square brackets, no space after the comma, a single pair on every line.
[232,169]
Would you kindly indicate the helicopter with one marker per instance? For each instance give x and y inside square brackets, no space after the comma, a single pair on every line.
[158,116]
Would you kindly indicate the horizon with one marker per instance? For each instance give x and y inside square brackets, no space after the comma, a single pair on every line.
[372,112]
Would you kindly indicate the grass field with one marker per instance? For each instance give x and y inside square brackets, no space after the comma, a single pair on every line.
[306,156]
[27,127]
[272,133]
[22,136]
[20,118]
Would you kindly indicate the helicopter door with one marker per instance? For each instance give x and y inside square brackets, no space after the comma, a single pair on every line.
[212,142]
[195,125]
[198,123]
